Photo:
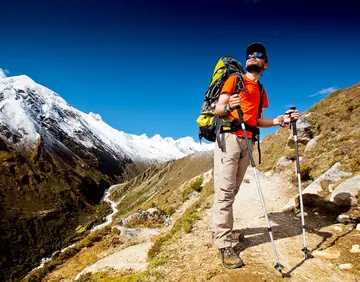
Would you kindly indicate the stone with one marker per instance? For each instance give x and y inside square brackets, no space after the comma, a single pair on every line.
[343,218]
[358,227]
[152,210]
[311,145]
[345,266]
[293,203]
[328,254]
[131,258]
[337,228]
[299,214]
[334,173]
[284,161]
[345,193]
[304,132]
[314,188]
[355,249]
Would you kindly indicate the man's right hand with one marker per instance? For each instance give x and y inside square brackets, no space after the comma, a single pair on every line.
[235,101]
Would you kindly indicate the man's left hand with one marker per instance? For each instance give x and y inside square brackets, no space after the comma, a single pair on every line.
[291,114]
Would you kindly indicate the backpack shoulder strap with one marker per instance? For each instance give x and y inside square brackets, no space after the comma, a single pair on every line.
[239,83]
[259,116]
[261,99]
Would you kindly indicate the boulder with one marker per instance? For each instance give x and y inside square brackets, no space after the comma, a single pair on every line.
[284,161]
[343,218]
[311,145]
[332,174]
[345,193]
[304,132]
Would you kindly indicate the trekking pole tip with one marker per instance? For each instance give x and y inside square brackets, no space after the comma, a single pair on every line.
[279,267]
[307,253]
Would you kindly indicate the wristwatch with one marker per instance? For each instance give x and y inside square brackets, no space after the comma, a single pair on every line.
[227,109]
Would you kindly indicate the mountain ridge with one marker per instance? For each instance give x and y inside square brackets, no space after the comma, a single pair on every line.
[22,98]
[56,163]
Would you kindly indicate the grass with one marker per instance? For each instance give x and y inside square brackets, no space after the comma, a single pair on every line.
[71,254]
[196,186]
[156,255]
[335,120]
[144,222]
[163,187]
[185,223]
[111,276]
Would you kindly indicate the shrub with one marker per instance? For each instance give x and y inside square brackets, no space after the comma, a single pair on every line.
[196,185]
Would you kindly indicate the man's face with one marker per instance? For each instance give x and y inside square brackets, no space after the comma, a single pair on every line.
[255,62]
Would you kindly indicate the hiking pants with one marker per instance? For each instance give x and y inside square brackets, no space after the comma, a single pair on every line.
[230,165]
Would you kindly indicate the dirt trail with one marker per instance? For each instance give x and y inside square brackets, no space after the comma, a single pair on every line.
[194,257]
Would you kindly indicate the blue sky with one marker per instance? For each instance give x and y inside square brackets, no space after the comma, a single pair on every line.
[144,66]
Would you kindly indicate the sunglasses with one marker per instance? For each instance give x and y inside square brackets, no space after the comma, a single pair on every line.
[258,55]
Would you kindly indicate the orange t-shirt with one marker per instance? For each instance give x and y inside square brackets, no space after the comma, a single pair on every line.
[249,101]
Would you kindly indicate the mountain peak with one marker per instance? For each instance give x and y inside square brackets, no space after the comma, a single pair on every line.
[156,137]
[2,73]
[95,116]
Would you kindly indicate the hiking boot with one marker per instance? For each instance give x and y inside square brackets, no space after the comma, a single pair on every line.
[230,259]
[236,236]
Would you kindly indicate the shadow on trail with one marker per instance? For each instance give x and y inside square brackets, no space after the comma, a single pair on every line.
[287,224]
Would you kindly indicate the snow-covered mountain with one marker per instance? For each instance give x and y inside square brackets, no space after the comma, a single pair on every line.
[29,110]
[56,163]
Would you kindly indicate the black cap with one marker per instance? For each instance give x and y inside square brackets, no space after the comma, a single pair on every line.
[256,47]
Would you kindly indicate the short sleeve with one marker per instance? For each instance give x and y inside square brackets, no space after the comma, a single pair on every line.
[265,100]
[229,85]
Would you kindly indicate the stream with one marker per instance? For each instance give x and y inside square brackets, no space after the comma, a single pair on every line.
[108,220]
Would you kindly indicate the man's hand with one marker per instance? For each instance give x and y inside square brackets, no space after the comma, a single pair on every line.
[291,114]
[235,101]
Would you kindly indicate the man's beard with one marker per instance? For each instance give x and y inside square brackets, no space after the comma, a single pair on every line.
[254,68]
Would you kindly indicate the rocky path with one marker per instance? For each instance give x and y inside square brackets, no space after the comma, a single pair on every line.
[196,259]
[287,233]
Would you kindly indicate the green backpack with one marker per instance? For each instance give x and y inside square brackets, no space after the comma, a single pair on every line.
[211,125]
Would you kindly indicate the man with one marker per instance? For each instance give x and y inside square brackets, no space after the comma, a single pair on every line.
[231,161]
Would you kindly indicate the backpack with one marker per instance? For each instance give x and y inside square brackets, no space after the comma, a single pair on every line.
[211,125]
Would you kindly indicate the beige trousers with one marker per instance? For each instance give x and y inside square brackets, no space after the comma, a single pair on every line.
[230,166]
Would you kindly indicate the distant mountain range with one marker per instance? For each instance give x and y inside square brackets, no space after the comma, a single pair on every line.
[56,163]
[28,109]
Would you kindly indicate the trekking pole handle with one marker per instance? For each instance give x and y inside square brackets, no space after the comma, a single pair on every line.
[238,108]
[293,121]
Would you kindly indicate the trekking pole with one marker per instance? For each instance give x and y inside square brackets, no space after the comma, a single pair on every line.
[293,124]
[277,266]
